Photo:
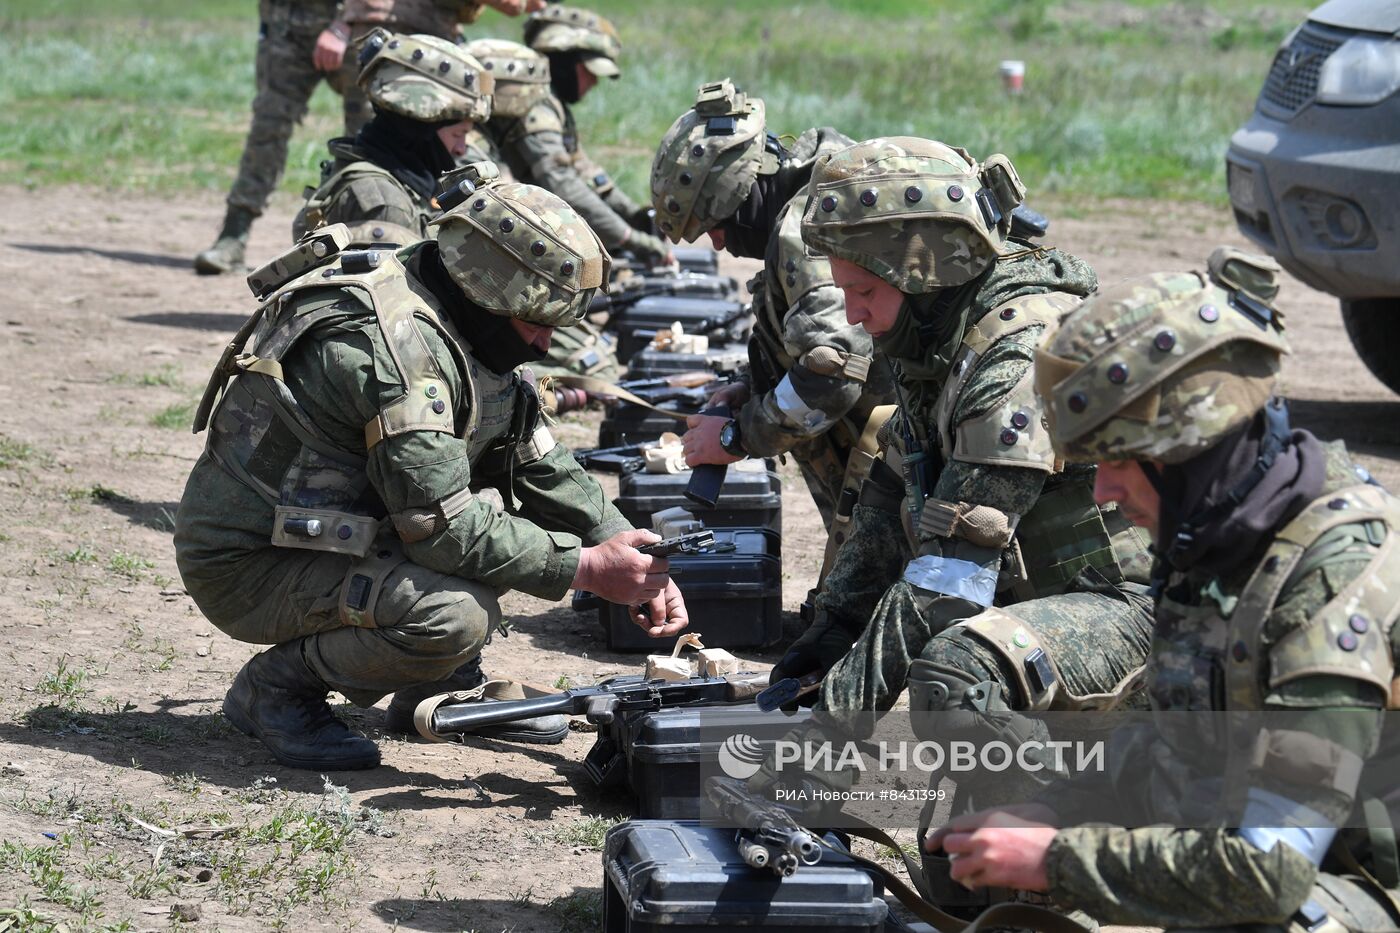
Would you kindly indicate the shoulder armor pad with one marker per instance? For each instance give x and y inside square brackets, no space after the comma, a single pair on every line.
[1350,635]
[1015,316]
[799,271]
[1013,432]
[543,118]
[315,249]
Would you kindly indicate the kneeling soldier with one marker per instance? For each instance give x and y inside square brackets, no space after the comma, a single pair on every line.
[377,474]
[1275,591]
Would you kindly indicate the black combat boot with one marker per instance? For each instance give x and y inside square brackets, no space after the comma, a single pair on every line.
[537,730]
[226,255]
[280,701]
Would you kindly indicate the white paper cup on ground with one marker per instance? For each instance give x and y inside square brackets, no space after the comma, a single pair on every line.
[1013,75]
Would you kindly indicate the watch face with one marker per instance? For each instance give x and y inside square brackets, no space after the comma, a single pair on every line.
[726,435]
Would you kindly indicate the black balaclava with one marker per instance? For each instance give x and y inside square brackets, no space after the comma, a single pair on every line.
[1196,495]
[748,230]
[494,343]
[563,76]
[409,149]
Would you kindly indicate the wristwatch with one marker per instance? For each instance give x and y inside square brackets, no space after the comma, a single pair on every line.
[730,441]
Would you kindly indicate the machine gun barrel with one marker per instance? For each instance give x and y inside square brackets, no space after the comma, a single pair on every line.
[446,715]
[762,824]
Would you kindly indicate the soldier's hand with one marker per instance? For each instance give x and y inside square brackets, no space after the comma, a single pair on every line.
[701,443]
[815,651]
[733,395]
[619,573]
[665,615]
[329,51]
[998,848]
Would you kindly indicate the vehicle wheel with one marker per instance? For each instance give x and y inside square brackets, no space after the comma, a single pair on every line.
[1373,325]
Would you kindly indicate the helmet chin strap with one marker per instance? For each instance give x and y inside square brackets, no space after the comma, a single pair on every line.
[1276,434]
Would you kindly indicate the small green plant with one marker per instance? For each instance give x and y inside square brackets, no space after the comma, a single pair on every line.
[82,554]
[578,912]
[131,566]
[66,684]
[13,452]
[174,417]
[587,832]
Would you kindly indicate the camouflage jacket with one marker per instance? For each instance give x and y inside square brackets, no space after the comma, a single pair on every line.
[439,18]
[367,198]
[1310,655]
[978,428]
[300,17]
[812,372]
[440,451]
[542,148]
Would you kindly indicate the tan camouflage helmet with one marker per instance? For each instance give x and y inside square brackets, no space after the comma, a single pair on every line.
[919,214]
[1163,367]
[518,250]
[424,78]
[708,160]
[521,73]
[562,27]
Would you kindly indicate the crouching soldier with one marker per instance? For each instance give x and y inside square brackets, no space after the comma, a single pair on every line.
[377,474]
[1275,595]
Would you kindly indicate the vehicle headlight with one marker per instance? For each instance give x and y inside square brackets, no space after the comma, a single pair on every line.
[1361,71]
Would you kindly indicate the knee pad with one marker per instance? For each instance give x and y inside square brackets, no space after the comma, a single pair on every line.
[959,698]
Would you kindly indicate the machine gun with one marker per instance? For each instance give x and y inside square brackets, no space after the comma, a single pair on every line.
[766,835]
[441,717]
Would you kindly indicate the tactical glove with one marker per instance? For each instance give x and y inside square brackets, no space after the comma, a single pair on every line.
[824,643]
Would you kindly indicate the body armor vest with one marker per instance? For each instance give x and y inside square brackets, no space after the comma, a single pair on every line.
[369,233]
[320,491]
[1065,531]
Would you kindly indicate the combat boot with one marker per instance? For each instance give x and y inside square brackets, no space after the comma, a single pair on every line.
[226,255]
[469,679]
[280,701]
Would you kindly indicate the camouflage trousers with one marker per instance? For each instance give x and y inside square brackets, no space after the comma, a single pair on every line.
[422,625]
[286,79]
[823,470]
[580,350]
[1095,637]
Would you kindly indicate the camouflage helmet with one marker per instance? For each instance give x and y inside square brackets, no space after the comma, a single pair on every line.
[560,27]
[521,74]
[517,250]
[919,214]
[424,78]
[708,160]
[1162,368]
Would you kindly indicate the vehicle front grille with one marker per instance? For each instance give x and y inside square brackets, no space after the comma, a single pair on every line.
[1292,81]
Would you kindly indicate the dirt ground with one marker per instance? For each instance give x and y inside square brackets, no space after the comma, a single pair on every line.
[125,800]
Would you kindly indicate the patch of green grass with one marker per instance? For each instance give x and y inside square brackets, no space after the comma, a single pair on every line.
[94,493]
[82,554]
[587,832]
[66,684]
[131,566]
[578,912]
[176,417]
[1106,84]
[13,452]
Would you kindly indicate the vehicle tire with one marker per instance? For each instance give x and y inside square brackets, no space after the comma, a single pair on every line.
[1373,324]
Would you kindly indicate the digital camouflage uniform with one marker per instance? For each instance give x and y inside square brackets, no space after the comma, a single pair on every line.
[985,578]
[286,78]
[813,384]
[421,77]
[1176,369]
[343,509]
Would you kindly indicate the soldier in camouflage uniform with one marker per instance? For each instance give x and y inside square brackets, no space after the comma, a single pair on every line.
[534,138]
[377,473]
[979,573]
[521,82]
[301,43]
[1277,561]
[427,95]
[810,387]
[441,18]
